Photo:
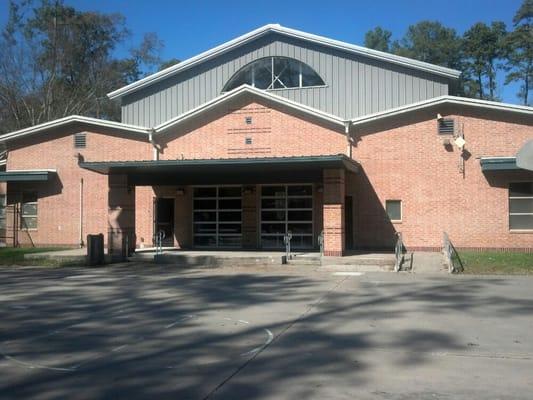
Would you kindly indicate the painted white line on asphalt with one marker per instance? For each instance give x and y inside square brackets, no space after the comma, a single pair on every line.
[346,273]
[270,338]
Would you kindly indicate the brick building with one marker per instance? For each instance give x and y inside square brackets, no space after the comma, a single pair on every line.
[278,131]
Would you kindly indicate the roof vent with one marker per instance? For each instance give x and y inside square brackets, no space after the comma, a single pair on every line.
[80,140]
[446,126]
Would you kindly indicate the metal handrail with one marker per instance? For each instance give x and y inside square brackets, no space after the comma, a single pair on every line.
[321,243]
[398,252]
[159,241]
[449,252]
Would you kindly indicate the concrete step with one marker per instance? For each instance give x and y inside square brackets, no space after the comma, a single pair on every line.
[305,260]
[361,259]
[356,268]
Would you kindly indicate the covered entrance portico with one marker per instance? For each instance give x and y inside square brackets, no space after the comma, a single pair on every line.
[233,203]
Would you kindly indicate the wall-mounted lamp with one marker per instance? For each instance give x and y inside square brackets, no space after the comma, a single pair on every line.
[180,191]
[439,117]
[320,188]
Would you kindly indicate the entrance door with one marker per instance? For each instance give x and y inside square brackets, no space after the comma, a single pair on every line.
[348,222]
[164,219]
[287,208]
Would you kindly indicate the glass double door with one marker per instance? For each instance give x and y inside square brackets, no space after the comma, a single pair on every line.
[217,216]
[286,208]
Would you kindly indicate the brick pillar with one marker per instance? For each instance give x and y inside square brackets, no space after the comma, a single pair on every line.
[333,212]
[121,217]
[249,217]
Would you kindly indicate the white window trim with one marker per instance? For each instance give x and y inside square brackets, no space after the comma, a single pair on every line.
[509,213]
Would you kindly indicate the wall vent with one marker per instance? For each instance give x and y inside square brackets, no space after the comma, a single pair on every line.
[248,120]
[80,140]
[248,140]
[446,126]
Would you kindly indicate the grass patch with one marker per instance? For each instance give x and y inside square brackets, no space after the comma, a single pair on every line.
[497,263]
[15,256]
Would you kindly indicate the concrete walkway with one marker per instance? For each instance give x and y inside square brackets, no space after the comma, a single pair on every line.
[427,262]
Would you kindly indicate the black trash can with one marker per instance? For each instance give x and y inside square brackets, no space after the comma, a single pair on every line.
[95,249]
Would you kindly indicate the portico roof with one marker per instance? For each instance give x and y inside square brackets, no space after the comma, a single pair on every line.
[28,175]
[224,171]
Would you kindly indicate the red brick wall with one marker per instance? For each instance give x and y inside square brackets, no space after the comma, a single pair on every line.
[406,160]
[403,159]
[59,200]
[274,133]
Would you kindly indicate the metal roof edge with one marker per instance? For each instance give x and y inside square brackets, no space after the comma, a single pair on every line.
[442,100]
[246,89]
[69,120]
[252,35]
[498,163]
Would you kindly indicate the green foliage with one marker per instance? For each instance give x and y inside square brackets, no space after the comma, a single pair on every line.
[378,39]
[496,263]
[57,61]
[483,47]
[479,54]
[520,51]
[431,42]
[15,256]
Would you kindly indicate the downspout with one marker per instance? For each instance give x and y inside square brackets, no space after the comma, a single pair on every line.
[349,139]
[155,148]
[81,213]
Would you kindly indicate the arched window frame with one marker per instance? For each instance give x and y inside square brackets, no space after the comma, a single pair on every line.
[275,78]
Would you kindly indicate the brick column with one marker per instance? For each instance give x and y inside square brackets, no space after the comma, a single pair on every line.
[121,217]
[249,217]
[333,212]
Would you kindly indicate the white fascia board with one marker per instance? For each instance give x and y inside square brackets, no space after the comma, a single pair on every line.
[461,101]
[321,40]
[73,119]
[33,171]
[497,158]
[215,51]
[255,92]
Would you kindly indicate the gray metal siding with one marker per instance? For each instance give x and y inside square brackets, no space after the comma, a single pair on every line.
[355,85]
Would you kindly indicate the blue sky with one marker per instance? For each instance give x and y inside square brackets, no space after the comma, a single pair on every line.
[190,27]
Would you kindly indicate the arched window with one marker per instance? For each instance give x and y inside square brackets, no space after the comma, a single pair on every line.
[275,73]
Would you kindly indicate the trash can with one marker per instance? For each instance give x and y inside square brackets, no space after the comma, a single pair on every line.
[95,249]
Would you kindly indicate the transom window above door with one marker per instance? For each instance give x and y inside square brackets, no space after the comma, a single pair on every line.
[275,73]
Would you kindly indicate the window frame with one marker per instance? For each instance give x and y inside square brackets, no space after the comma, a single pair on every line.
[401,210]
[23,226]
[509,213]
[275,78]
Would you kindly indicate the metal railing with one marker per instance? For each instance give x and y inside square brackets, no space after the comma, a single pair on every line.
[159,237]
[398,252]
[321,243]
[451,257]
[287,241]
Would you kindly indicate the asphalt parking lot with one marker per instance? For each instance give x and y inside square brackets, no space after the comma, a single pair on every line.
[262,333]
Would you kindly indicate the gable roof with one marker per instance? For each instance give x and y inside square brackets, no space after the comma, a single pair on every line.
[72,120]
[443,100]
[288,32]
[247,89]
